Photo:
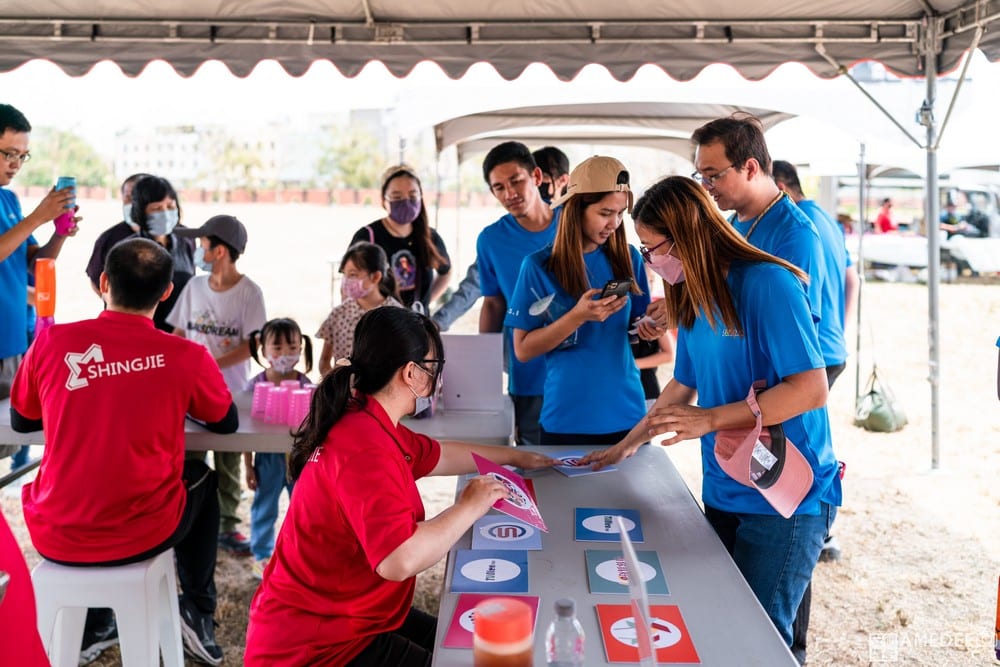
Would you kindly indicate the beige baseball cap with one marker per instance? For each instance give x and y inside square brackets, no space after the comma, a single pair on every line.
[597,174]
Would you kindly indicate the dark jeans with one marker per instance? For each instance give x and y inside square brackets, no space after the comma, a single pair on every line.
[775,555]
[571,439]
[800,627]
[195,542]
[409,646]
[527,427]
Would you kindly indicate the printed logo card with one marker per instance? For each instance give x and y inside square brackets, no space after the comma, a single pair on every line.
[671,640]
[607,572]
[520,502]
[459,634]
[494,531]
[490,571]
[597,524]
[571,465]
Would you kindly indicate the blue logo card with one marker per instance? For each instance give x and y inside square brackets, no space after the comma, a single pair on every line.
[597,524]
[490,571]
[497,531]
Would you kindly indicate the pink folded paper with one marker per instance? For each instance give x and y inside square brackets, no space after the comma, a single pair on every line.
[520,502]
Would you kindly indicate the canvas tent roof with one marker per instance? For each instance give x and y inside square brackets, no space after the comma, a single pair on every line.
[665,125]
[682,36]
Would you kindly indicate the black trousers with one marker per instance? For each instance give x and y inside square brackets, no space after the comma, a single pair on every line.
[195,543]
[800,627]
[410,646]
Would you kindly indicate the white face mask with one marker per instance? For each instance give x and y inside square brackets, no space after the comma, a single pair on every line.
[283,363]
[127,217]
[422,402]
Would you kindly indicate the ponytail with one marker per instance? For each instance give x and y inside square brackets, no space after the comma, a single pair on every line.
[328,405]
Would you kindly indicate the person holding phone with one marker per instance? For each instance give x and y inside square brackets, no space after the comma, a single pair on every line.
[573,305]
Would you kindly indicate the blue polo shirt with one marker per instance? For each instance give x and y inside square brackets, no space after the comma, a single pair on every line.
[835,263]
[13,282]
[592,384]
[786,232]
[500,249]
[779,340]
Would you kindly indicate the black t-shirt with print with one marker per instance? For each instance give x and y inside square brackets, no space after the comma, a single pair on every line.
[413,281]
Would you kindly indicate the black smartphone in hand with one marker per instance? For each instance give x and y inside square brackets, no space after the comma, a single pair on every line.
[617,288]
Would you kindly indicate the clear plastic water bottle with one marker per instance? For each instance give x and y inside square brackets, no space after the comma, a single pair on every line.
[565,638]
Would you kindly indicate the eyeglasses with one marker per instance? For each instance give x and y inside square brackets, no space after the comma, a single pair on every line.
[394,199]
[19,158]
[710,180]
[420,364]
[647,253]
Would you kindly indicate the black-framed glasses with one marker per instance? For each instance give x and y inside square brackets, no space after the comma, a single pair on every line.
[420,364]
[19,158]
[710,180]
[647,253]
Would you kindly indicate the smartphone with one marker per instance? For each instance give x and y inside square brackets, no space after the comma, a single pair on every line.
[617,288]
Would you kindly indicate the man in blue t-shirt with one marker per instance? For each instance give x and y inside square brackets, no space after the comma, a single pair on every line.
[734,166]
[528,226]
[555,175]
[18,248]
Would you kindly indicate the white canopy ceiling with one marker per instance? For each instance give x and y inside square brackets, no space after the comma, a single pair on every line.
[681,36]
[664,125]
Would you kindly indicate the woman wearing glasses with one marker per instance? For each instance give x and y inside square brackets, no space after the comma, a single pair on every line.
[416,252]
[339,588]
[743,316]
[593,394]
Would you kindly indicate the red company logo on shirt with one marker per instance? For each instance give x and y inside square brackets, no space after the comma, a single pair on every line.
[91,366]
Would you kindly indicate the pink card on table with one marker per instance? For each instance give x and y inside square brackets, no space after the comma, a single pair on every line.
[520,502]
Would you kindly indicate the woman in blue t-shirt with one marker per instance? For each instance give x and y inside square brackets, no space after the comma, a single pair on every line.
[593,394]
[743,317]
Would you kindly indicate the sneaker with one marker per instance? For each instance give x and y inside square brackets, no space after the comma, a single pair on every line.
[96,641]
[257,569]
[831,550]
[235,542]
[198,632]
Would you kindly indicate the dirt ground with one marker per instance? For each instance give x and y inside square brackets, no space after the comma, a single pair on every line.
[918,579]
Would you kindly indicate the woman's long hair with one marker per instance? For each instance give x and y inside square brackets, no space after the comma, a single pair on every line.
[566,262]
[423,248]
[680,209]
[371,258]
[385,340]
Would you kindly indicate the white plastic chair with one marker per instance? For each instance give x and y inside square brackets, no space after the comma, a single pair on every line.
[143,596]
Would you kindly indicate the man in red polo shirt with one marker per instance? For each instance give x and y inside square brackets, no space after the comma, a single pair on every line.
[111,395]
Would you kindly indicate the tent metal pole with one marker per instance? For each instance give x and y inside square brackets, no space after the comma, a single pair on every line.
[926,116]
[862,211]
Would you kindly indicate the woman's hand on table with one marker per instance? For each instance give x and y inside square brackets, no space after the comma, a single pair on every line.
[522,458]
[610,456]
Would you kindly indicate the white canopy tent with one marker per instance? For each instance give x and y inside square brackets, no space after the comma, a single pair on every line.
[910,37]
[664,125]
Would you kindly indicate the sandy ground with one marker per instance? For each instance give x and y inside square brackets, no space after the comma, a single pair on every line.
[917,583]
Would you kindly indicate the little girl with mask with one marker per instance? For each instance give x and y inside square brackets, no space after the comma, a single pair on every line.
[282,343]
[368,283]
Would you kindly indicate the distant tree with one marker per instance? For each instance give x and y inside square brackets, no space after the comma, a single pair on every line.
[235,164]
[56,153]
[352,159]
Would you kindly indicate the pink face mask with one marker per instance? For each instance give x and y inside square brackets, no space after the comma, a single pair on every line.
[667,267]
[355,288]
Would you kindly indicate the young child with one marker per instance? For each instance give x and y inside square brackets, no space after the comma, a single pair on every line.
[368,284]
[282,343]
[218,310]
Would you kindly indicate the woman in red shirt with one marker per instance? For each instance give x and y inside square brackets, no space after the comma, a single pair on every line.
[339,588]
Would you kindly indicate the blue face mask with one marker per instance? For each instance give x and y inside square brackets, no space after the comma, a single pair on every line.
[200,262]
[161,223]
[127,217]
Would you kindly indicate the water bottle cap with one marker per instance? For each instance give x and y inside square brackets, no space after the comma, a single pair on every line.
[502,620]
[565,607]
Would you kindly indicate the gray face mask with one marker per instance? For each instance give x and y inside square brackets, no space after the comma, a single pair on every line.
[161,223]
[127,217]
